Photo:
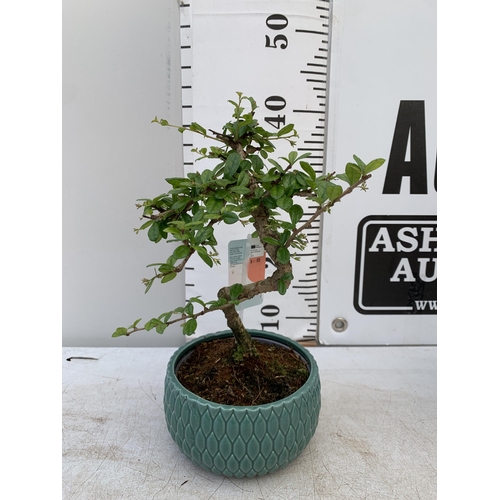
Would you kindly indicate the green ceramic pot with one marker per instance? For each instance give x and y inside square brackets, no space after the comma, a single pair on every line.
[242,441]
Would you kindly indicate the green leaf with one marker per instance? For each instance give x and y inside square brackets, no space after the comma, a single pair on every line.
[284,236]
[230,217]
[333,192]
[168,277]
[165,316]
[269,202]
[257,162]
[343,177]
[211,217]
[286,129]
[152,323]
[214,205]
[252,102]
[281,287]
[149,285]
[170,264]
[283,255]
[206,176]
[202,252]
[292,156]
[175,182]
[198,301]
[189,327]
[270,177]
[296,213]
[285,203]
[277,191]
[235,291]
[288,181]
[174,232]
[243,179]
[308,169]
[161,121]
[189,309]
[361,164]
[135,323]
[287,225]
[302,179]
[373,165]
[155,264]
[154,232]
[223,183]
[181,252]
[305,155]
[221,194]
[120,332]
[146,225]
[232,164]
[204,234]
[213,304]
[166,268]
[199,215]
[271,241]
[259,193]
[148,212]
[195,127]
[161,328]
[241,190]
[287,277]
[353,173]
[181,203]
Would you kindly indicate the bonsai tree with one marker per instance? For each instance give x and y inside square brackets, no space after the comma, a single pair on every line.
[247,186]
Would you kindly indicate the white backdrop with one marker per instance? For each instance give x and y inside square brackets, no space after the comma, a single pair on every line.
[381,89]
[128,71]
[121,67]
[383,63]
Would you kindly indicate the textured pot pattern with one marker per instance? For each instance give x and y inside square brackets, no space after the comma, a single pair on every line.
[242,441]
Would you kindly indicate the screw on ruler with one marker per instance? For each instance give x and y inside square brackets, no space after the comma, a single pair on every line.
[303,27]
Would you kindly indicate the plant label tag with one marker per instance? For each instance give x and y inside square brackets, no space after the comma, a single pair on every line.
[236,257]
[256,266]
[246,264]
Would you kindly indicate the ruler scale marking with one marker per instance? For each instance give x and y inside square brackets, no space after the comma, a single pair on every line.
[310,28]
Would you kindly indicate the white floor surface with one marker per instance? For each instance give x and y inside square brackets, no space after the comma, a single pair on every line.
[376,437]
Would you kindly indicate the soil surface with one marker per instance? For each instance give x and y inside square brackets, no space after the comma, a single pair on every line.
[213,374]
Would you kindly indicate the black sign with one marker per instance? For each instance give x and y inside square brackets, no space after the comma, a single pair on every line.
[396,265]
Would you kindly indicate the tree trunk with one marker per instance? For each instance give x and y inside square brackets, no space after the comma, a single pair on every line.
[244,345]
[243,339]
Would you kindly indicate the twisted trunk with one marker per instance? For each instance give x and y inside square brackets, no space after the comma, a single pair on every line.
[270,284]
[244,345]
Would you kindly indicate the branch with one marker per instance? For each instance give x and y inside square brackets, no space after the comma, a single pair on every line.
[249,291]
[324,208]
[164,123]
[184,317]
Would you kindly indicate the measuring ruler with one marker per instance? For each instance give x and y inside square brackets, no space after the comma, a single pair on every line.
[358,80]
[278,53]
